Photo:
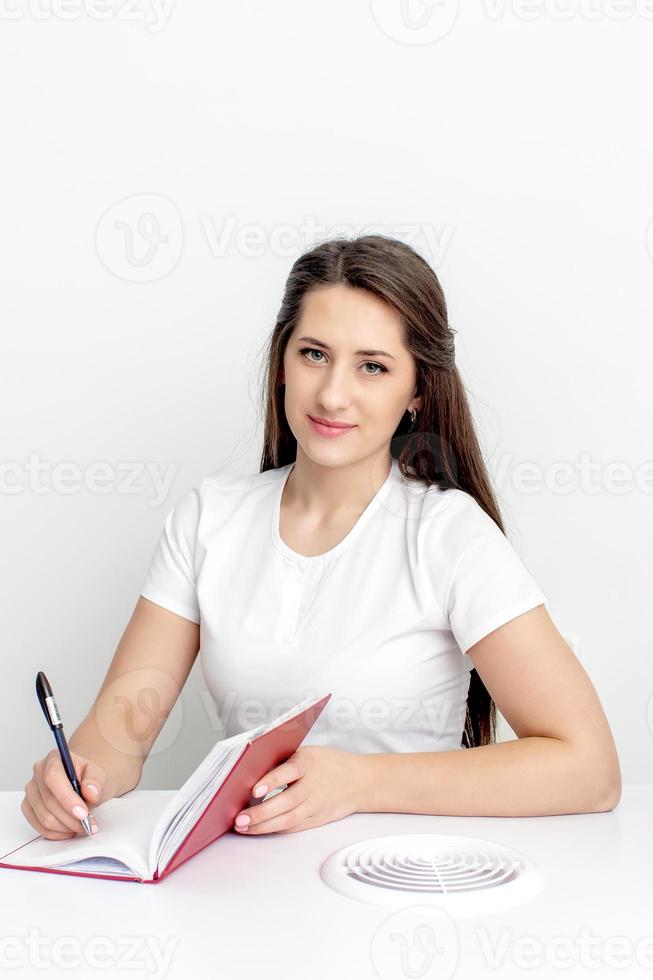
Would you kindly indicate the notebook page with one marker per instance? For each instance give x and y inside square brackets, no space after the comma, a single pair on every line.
[210,770]
[99,865]
[180,822]
[125,827]
[179,829]
[185,815]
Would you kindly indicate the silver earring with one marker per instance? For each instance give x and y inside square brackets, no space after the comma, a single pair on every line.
[413,415]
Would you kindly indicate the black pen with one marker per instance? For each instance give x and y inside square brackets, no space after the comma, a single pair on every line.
[51,712]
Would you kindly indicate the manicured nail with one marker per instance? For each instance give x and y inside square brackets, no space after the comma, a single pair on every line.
[80,812]
[242,820]
[260,791]
[92,788]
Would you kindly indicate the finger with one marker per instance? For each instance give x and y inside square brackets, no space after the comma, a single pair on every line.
[93,783]
[52,804]
[286,773]
[265,795]
[31,817]
[47,821]
[59,821]
[259,811]
[56,781]
[271,809]
[288,821]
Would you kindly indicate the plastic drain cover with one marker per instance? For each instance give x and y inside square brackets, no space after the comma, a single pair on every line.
[462,874]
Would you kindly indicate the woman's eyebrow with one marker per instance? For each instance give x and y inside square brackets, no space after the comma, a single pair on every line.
[366,353]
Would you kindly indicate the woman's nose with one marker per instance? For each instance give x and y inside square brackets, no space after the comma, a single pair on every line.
[335,391]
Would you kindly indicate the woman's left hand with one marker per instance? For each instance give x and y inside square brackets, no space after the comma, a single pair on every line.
[323,784]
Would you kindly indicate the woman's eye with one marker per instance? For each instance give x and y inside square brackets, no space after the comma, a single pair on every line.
[314,350]
[309,350]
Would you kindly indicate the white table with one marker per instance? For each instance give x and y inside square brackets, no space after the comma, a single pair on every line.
[257,907]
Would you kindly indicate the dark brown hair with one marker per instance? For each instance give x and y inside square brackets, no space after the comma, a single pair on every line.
[441,447]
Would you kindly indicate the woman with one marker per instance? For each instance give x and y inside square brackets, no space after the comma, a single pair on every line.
[366,559]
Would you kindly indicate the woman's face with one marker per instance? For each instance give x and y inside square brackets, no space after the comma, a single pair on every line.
[326,376]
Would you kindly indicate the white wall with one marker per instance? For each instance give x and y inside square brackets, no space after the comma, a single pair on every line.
[510,145]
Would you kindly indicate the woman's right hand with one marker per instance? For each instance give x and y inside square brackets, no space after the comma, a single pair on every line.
[50,800]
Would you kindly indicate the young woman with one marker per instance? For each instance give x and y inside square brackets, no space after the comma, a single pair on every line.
[366,559]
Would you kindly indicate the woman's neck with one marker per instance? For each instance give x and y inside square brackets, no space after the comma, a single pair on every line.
[327,494]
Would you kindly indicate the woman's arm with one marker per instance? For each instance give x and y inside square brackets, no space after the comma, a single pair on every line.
[564,759]
[149,669]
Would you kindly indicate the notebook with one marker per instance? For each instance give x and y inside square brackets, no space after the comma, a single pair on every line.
[144,835]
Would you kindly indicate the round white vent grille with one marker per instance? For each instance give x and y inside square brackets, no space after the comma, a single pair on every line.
[461,874]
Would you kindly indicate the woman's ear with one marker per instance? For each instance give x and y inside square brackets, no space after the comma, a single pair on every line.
[418,403]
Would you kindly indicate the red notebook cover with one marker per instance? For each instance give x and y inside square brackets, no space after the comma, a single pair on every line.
[260,755]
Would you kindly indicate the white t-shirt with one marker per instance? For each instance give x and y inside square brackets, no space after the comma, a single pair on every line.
[382,621]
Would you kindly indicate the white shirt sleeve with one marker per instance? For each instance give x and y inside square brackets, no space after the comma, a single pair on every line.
[489,584]
[171,579]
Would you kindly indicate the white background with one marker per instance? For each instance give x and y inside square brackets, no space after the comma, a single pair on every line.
[510,145]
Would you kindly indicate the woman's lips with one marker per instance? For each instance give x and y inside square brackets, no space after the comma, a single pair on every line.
[330,431]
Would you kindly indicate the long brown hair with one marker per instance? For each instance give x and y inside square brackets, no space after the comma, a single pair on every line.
[441,447]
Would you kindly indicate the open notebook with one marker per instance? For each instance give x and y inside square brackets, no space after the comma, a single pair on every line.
[143,835]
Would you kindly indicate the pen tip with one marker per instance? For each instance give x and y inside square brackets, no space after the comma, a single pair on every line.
[86,824]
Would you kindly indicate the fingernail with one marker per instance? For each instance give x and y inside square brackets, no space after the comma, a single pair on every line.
[80,812]
[260,791]
[92,788]
[242,820]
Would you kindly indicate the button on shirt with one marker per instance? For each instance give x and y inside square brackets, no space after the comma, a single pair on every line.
[382,621]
